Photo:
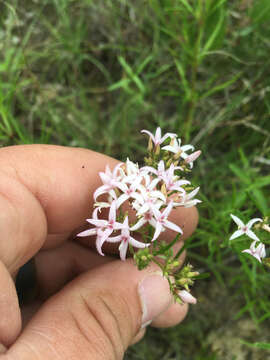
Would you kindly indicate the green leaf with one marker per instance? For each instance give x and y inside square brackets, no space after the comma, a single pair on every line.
[259,200]
[221,86]
[131,74]
[259,345]
[242,175]
[214,35]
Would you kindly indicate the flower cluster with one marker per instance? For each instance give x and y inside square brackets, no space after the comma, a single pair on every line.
[139,200]
[257,247]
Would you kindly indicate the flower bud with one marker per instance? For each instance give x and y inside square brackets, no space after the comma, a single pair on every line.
[186,297]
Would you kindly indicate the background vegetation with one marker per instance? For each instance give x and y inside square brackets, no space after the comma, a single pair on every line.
[94,73]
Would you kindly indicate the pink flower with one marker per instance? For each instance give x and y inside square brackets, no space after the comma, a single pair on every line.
[103,228]
[129,191]
[149,197]
[192,157]
[126,239]
[186,297]
[177,148]
[161,221]
[146,218]
[187,199]
[170,180]
[157,139]
[110,181]
[257,251]
[244,229]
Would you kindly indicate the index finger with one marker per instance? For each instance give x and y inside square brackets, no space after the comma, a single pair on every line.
[44,189]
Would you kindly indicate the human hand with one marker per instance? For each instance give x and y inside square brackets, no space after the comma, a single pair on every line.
[89,306]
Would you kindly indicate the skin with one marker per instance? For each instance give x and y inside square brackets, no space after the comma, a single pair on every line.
[45,197]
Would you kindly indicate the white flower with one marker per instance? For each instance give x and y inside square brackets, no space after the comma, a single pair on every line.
[149,197]
[171,181]
[187,199]
[186,297]
[161,221]
[244,229]
[103,228]
[157,139]
[257,251]
[110,180]
[147,217]
[176,148]
[126,239]
[129,191]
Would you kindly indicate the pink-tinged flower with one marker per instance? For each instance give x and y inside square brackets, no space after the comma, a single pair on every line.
[244,229]
[170,180]
[129,191]
[186,297]
[147,217]
[103,228]
[157,139]
[187,199]
[257,251]
[161,221]
[110,181]
[176,148]
[149,197]
[126,239]
[192,157]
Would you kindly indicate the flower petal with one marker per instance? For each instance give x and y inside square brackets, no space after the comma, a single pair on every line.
[236,234]
[237,221]
[172,226]
[89,232]
[123,250]
[253,221]
[251,234]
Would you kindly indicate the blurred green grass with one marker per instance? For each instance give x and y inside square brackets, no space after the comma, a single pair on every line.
[93,74]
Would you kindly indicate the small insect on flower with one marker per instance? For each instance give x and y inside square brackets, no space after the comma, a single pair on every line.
[244,228]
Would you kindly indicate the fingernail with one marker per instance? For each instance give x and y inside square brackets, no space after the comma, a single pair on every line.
[155,296]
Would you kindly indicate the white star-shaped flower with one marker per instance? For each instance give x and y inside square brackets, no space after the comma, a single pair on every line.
[176,148]
[157,139]
[244,228]
[126,239]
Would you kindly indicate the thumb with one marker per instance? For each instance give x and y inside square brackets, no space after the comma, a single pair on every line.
[96,316]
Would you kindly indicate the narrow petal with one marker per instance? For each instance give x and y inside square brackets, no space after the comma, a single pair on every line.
[100,190]
[251,234]
[149,134]
[187,148]
[172,226]
[159,228]
[168,209]
[121,199]
[99,242]
[170,148]
[123,250]
[237,221]
[236,234]
[97,222]
[158,135]
[114,239]
[138,225]
[253,221]
[143,209]
[137,244]
[89,232]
